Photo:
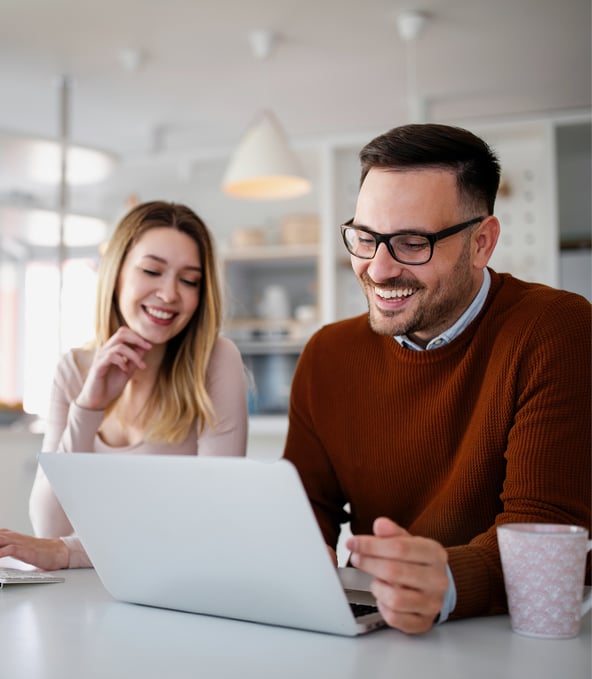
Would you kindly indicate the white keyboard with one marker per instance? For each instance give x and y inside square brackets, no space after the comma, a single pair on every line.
[14,576]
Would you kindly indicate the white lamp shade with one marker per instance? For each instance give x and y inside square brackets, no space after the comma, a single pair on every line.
[263,166]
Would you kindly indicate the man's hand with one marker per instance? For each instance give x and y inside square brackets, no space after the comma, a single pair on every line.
[49,554]
[410,574]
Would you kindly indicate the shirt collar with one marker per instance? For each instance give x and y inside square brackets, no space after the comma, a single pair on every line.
[455,330]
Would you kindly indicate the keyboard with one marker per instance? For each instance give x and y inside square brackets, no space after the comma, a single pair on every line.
[14,576]
[362,609]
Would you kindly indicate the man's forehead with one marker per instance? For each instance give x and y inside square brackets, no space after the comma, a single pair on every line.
[430,191]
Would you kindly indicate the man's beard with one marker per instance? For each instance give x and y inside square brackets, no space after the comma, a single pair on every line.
[434,311]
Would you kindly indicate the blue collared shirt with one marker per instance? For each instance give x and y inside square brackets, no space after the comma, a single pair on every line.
[442,339]
[461,324]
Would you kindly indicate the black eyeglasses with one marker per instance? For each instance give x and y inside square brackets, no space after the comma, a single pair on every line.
[407,247]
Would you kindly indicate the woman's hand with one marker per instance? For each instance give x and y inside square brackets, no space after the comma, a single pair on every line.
[113,365]
[49,554]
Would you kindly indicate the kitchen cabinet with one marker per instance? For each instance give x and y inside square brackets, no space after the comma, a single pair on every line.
[272,307]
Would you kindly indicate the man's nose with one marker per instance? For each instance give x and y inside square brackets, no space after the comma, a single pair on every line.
[383,266]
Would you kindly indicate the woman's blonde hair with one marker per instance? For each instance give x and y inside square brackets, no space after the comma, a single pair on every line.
[180,395]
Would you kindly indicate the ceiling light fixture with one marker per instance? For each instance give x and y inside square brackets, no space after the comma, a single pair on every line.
[409,25]
[38,160]
[264,167]
[41,227]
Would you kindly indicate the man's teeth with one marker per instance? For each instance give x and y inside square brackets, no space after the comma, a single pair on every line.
[398,292]
[157,313]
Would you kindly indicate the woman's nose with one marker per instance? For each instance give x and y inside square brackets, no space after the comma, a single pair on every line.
[168,290]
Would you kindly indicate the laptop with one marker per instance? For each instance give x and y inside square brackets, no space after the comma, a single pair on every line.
[226,536]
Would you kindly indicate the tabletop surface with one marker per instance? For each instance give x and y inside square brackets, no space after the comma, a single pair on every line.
[76,629]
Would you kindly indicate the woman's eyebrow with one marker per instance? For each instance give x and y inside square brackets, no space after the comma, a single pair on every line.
[161,260]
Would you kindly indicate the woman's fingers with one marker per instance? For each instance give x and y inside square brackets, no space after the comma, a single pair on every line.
[49,554]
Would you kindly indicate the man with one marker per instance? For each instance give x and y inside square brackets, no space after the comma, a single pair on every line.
[461,402]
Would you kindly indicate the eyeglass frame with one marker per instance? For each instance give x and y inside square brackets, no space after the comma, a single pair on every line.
[385,238]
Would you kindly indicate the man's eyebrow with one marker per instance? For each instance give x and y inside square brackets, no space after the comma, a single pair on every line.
[161,260]
[408,231]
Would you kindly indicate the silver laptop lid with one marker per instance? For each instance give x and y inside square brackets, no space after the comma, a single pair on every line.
[231,537]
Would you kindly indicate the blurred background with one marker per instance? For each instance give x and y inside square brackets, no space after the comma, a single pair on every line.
[107,104]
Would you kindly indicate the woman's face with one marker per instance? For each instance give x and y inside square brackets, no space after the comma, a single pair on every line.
[158,289]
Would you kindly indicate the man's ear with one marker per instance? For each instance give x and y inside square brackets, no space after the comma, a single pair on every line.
[484,241]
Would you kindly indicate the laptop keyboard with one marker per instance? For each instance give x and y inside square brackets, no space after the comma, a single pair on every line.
[362,609]
[14,576]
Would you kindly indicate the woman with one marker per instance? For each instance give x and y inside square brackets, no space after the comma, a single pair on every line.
[158,379]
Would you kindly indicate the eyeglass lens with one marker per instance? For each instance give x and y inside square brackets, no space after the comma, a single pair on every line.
[406,248]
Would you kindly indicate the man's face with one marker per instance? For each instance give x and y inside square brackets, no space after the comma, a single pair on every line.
[423,300]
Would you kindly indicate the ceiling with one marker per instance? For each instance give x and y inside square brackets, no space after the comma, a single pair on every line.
[337,67]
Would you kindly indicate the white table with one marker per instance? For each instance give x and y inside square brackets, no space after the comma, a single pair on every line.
[76,630]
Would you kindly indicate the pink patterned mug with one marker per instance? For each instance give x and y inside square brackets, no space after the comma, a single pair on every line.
[544,568]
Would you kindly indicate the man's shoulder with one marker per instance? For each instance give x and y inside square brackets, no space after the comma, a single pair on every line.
[356,327]
[527,302]
[516,291]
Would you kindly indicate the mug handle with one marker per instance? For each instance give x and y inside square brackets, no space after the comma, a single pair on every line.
[587,601]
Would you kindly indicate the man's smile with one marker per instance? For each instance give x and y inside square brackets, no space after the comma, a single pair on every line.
[393,292]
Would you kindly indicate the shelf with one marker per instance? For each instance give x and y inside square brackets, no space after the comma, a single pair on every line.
[258,254]
[270,326]
[278,347]
[576,243]
[261,336]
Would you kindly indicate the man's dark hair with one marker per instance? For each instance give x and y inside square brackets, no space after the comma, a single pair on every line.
[432,146]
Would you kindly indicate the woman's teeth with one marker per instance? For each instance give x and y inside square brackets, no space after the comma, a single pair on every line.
[161,315]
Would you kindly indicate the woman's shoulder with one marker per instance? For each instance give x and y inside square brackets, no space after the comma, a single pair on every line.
[225,358]
[225,366]
[224,348]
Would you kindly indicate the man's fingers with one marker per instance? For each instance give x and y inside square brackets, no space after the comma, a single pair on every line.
[409,623]
[408,548]
[385,528]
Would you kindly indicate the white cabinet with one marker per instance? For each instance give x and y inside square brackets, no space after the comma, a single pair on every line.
[272,307]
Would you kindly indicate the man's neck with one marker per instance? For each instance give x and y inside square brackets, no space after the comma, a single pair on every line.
[454,330]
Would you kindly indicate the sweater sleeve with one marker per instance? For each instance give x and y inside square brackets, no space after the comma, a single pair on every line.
[548,447]
[68,429]
[227,387]
[306,451]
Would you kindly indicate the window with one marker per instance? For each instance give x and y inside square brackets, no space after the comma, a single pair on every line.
[31,337]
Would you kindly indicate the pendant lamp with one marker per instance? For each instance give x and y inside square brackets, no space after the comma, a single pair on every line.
[264,167]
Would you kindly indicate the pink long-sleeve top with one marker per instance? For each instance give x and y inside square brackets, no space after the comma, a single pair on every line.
[72,429]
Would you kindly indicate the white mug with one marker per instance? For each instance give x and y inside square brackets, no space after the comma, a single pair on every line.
[544,568]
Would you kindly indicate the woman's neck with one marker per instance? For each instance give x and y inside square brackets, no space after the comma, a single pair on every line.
[131,406]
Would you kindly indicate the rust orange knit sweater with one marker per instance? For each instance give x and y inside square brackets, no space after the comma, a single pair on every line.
[492,428]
